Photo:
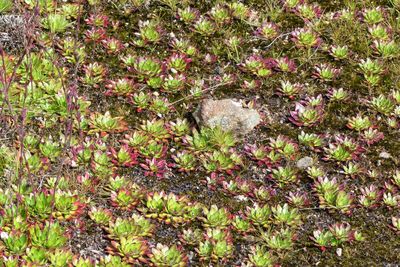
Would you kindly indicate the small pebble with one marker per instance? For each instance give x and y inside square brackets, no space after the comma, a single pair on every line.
[339,252]
[385,155]
[241,198]
[305,162]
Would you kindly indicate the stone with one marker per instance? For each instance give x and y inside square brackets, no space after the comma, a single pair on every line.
[305,162]
[385,155]
[339,251]
[228,114]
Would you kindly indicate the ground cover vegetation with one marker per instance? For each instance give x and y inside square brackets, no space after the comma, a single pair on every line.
[103,164]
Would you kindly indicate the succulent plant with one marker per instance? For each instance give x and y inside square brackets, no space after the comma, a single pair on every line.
[125,199]
[191,237]
[136,140]
[284,64]
[183,46]
[373,15]
[222,251]
[162,255]
[284,146]
[323,239]
[185,161]
[60,257]
[220,14]
[49,235]
[325,72]
[174,209]
[259,215]
[379,32]
[382,104]
[154,204]
[122,86]
[101,164]
[109,261]
[338,94]
[257,153]
[180,127]
[216,217]
[204,250]
[305,38]
[284,175]
[370,196]
[241,224]
[264,193]
[112,45]
[198,141]
[94,74]
[332,195]
[132,249]
[359,123]
[39,204]
[178,62]
[136,226]
[154,167]
[396,178]
[290,90]
[308,11]
[56,23]
[149,31]
[106,123]
[239,10]
[15,242]
[145,67]
[335,235]
[100,216]
[285,215]
[313,141]
[67,205]
[298,199]
[188,15]
[306,114]
[339,52]
[33,162]
[391,200]
[98,20]
[204,26]
[153,149]
[95,35]
[118,182]
[260,257]
[279,240]
[124,157]
[217,247]
[231,187]
[386,49]
[221,139]
[219,161]
[156,128]
[267,30]
[344,149]
[258,66]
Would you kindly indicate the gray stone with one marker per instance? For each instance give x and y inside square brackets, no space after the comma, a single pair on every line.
[305,162]
[228,114]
